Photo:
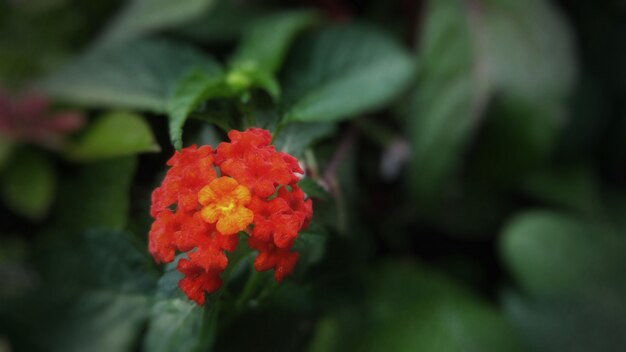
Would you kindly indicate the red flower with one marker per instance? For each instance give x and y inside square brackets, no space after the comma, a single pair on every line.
[162,237]
[197,281]
[190,170]
[282,260]
[199,214]
[250,160]
[241,143]
[275,221]
[295,199]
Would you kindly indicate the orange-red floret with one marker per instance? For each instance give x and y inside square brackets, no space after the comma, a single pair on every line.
[275,221]
[242,142]
[197,281]
[190,170]
[161,241]
[199,214]
[250,159]
[282,260]
[295,199]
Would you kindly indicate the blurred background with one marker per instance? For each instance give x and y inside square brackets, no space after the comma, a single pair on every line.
[466,159]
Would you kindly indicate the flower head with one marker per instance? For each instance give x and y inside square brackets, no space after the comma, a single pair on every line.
[199,214]
[224,201]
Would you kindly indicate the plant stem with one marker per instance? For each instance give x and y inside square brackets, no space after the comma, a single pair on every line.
[248,291]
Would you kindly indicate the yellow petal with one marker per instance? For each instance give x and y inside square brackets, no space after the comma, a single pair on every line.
[207,195]
[242,195]
[223,185]
[236,221]
[210,213]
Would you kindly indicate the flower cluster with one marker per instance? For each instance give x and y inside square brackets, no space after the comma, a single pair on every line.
[200,212]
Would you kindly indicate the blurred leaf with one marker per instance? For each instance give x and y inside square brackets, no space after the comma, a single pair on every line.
[98,260]
[573,271]
[29,184]
[530,50]
[341,71]
[313,189]
[471,52]
[551,254]
[226,22]
[112,135]
[141,17]
[573,186]
[407,308]
[516,140]
[176,323]
[295,137]
[97,195]
[137,75]
[569,324]
[531,64]
[36,40]
[267,40]
[195,87]
[450,96]
[98,292]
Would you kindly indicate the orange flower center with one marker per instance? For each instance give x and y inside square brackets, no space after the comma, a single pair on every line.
[224,202]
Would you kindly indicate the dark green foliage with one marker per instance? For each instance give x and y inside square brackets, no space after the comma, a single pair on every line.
[465,159]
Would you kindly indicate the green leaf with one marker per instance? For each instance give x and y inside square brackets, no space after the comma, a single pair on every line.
[96,195]
[470,52]
[176,323]
[267,40]
[530,50]
[313,189]
[573,186]
[112,135]
[194,88]
[263,49]
[226,22]
[137,75]
[569,324]
[98,292]
[295,137]
[311,246]
[141,17]
[342,71]
[552,254]
[572,273]
[29,184]
[448,97]
[408,308]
